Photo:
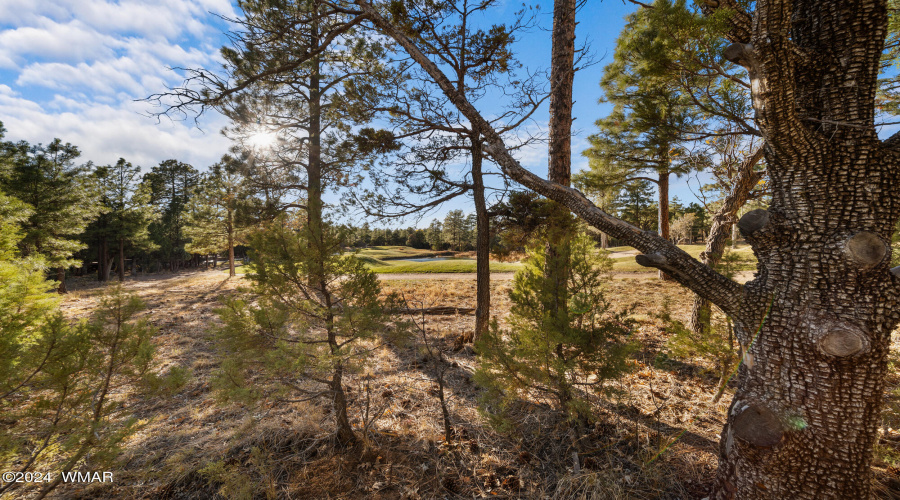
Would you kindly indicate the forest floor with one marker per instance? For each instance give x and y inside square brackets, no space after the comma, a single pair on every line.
[657,438]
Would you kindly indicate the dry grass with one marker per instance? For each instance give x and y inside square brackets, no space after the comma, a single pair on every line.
[658,439]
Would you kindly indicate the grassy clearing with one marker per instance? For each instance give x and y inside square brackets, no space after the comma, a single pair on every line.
[402,266]
[391,253]
[388,260]
[438,266]
[192,446]
[628,265]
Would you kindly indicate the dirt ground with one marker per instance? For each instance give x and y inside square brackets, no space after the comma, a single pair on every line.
[657,439]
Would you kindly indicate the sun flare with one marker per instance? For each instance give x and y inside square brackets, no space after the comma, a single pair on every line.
[261,140]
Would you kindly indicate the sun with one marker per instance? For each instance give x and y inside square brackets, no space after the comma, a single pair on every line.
[260,140]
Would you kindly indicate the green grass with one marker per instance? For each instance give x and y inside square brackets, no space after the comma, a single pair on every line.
[386,260]
[399,266]
[628,265]
[440,266]
[240,268]
[389,253]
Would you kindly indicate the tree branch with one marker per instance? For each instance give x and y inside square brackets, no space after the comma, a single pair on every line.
[707,283]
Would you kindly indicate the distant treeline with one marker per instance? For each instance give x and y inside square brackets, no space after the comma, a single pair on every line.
[83,218]
[523,216]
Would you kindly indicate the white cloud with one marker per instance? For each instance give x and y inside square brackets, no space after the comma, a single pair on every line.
[104,133]
[50,40]
[102,77]
[77,67]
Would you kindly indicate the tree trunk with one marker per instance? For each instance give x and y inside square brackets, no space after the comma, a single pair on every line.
[814,325]
[231,259]
[562,75]
[482,247]
[734,236]
[663,213]
[604,240]
[102,261]
[805,417]
[317,278]
[314,181]
[230,245]
[121,259]
[723,221]
[343,431]
[61,277]
[804,420]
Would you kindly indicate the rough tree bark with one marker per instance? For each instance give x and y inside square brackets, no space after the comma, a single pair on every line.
[722,222]
[102,258]
[815,323]
[482,246]
[230,229]
[562,75]
[61,277]
[121,259]
[231,272]
[662,187]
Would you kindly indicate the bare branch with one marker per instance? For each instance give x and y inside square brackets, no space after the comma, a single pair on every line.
[688,271]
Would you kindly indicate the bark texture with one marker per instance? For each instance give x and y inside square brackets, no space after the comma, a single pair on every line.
[815,323]
[231,272]
[482,246]
[804,419]
[61,277]
[662,186]
[121,267]
[562,75]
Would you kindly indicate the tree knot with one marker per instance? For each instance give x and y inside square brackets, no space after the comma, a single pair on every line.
[740,53]
[837,339]
[753,221]
[865,249]
[759,426]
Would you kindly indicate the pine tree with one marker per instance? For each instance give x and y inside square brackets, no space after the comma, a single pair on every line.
[307,327]
[826,230]
[214,221]
[434,235]
[57,379]
[25,301]
[60,195]
[126,217]
[483,67]
[454,229]
[171,184]
[565,360]
[635,205]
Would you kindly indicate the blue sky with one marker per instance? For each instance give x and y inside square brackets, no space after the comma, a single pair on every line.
[73,69]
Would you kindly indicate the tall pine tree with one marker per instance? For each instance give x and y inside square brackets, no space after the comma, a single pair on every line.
[214,220]
[126,217]
[171,184]
[61,195]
